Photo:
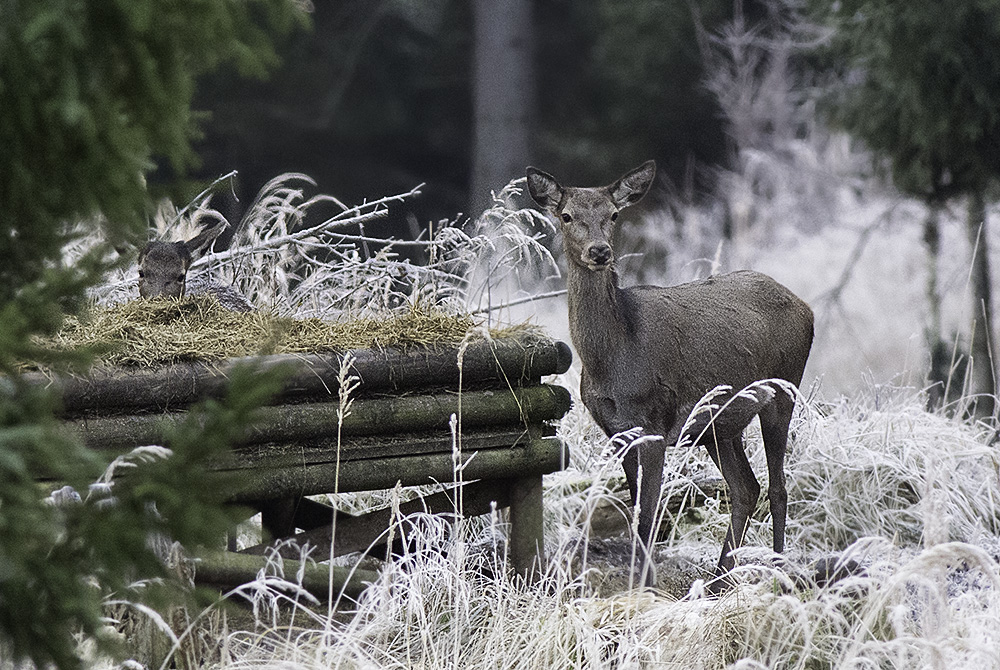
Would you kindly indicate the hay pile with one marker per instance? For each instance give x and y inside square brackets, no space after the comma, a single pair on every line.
[157,332]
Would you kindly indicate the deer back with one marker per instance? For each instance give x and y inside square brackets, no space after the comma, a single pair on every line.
[732,329]
[672,345]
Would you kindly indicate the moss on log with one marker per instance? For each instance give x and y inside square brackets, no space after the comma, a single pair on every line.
[531,454]
[511,361]
[365,447]
[318,422]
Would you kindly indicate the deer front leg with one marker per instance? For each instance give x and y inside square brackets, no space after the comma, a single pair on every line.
[643,464]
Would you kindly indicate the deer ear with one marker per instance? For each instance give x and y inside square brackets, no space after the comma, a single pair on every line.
[185,255]
[544,189]
[198,244]
[633,185]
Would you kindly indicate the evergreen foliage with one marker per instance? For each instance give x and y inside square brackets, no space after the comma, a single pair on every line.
[60,560]
[624,83]
[92,93]
[922,88]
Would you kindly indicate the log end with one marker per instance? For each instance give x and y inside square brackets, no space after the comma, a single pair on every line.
[564,357]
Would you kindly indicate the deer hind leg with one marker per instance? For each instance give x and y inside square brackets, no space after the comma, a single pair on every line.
[744,491]
[774,422]
[645,492]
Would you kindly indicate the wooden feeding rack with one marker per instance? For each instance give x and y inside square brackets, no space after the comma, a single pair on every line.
[415,418]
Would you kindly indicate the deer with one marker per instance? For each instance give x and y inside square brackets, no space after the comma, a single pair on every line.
[649,354]
[163,268]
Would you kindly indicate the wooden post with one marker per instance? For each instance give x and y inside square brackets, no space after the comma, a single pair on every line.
[527,548]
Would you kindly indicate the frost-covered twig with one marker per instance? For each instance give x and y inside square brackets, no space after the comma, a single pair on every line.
[281,261]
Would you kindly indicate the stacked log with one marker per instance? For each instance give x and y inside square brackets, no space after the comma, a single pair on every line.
[414,414]
[508,362]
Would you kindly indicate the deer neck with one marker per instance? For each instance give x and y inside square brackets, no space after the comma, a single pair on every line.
[596,318]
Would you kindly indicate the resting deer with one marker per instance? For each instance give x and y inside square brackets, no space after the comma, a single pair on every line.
[163,268]
[650,353]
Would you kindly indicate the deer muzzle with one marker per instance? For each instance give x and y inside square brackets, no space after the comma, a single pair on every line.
[598,256]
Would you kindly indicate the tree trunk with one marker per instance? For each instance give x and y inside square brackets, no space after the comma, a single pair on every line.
[981,344]
[939,377]
[503,96]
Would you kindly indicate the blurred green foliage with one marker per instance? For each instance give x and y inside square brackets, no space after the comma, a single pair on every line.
[921,87]
[59,562]
[919,83]
[93,93]
[636,90]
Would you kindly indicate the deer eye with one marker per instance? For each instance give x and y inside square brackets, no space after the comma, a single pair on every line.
[614,216]
[180,279]
[141,274]
[566,217]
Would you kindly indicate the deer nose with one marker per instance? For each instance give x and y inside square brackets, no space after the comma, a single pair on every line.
[599,254]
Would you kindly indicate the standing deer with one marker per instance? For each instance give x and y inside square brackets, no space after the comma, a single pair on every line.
[650,353]
[163,268]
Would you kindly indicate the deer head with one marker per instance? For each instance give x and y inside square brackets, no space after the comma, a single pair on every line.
[589,216]
[163,266]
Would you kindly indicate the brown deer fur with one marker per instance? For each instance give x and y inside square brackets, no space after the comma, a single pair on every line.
[650,353]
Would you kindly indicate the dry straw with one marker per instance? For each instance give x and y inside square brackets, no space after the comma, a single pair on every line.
[152,333]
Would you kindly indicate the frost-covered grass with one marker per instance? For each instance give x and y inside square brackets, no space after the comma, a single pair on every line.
[907,499]
[293,256]
[908,496]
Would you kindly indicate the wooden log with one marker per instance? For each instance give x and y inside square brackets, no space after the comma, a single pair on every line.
[365,447]
[359,533]
[527,550]
[508,362]
[534,454]
[368,416]
[228,569]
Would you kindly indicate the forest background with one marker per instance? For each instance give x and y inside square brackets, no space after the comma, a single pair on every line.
[379,96]
[849,149]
